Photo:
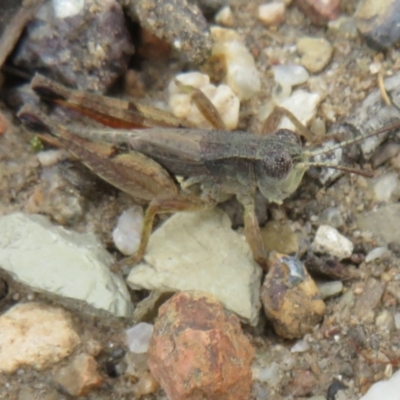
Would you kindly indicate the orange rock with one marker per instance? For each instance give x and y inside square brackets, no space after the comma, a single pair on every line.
[198,350]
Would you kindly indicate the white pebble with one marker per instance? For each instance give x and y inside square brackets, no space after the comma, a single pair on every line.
[67,8]
[397,321]
[225,17]
[272,13]
[328,240]
[48,158]
[388,390]
[385,185]
[242,75]
[290,74]
[329,289]
[139,336]
[270,375]
[300,347]
[303,105]
[126,234]
[222,97]
[376,253]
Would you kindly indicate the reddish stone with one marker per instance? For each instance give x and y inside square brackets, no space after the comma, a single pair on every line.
[320,11]
[198,350]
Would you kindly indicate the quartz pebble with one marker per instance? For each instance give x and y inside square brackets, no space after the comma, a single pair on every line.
[290,74]
[300,347]
[127,233]
[80,376]
[34,334]
[271,375]
[377,252]
[385,185]
[139,337]
[388,390]
[50,157]
[330,289]
[242,75]
[315,53]
[225,17]
[397,321]
[328,240]
[272,13]
[198,350]
[222,97]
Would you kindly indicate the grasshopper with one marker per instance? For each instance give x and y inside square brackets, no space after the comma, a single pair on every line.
[145,162]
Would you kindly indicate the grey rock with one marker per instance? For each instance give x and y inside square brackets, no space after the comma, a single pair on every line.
[200,251]
[52,259]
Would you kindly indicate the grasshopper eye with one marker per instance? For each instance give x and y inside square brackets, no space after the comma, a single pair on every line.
[276,164]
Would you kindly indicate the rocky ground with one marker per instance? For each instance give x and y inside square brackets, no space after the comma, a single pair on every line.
[356,269]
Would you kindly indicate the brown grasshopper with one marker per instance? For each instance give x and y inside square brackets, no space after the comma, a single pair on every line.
[145,162]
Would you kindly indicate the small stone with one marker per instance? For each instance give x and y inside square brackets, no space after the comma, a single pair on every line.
[345,26]
[315,53]
[33,334]
[222,97]
[197,251]
[127,233]
[50,157]
[198,350]
[377,21]
[330,289]
[52,259]
[279,236]
[271,375]
[300,347]
[303,105]
[331,216]
[272,13]
[385,321]
[139,337]
[385,185]
[80,376]
[369,299]
[242,75]
[320,11]
[397,321]
[388,389]
[147,384]
[225,17]
[376,253]
[328,240]
[290,74]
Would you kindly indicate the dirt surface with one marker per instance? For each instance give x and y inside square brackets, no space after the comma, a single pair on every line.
[357,342]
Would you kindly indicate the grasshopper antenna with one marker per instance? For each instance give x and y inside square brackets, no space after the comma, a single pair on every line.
[343,168]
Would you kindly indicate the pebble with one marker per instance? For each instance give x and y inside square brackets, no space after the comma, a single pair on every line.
[197,251]
[388,390]
[34,334]
[303,105]
[48,158]
[147,384]
[290,74]
[300,347]
[80,376]
[329,241]
[222,97]
[271,375]
[55,260]
[385,185]
[320,11]
[271,14]
[50,43]
[225,17]
[376,253]
[242,75]
[397,321]
[330,289]
[127,233]
[344,26]
[199,349]
[315,53]
[331,216]
[139,336]
[377,21]
[369,299]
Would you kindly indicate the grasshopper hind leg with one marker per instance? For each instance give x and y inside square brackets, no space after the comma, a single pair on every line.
[160,205]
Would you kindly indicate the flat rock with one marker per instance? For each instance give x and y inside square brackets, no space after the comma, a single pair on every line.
[33,334]
[70,264]
[200,251]
[198,350]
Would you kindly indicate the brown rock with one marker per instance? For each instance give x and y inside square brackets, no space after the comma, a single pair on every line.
[290,297]
[198,350]
[319,11]
[80,376]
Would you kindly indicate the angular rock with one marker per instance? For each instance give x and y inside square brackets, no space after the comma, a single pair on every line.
[51,259]
[200,251]
[328,240]
[198,350]
[315,53]
[80,376]
[272,13]
[33,334]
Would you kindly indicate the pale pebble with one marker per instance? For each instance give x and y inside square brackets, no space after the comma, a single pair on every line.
[271,375]
[385,185]
[67,8]
[225,17]
[127,233]
[290,74]
[300,346]
[328,240]
[315,53]
[388,390]
[272,13]
[139,336]
[377,252]
[397,321]
[48,158]
[330,289]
